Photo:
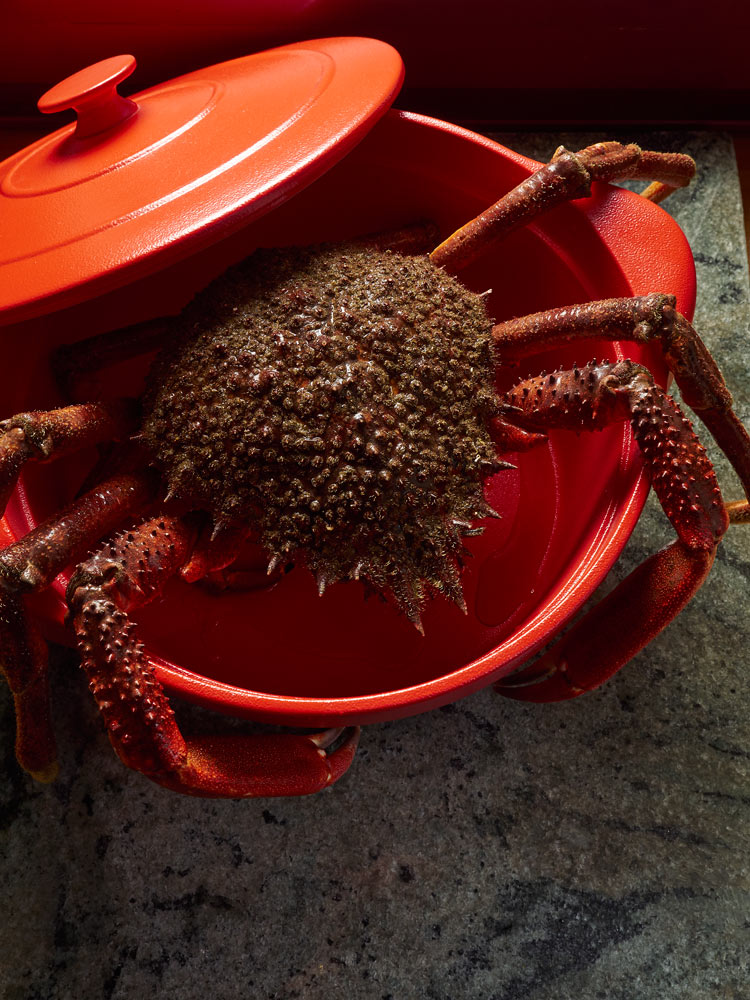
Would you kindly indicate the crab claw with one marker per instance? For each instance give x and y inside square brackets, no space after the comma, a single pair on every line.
[124,574]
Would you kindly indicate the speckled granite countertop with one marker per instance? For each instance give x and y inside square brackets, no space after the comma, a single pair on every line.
[596,849]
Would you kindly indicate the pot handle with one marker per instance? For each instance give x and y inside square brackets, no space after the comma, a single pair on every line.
[234,765]
[92,93]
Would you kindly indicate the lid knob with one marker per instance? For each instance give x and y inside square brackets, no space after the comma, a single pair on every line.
[93,94]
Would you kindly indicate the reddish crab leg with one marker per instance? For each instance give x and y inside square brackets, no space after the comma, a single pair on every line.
[567,176]
[612,632]
[642,318]
[31,564]
[44,435]
[124,575]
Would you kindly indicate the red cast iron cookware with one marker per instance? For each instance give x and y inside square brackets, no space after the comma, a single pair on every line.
[283,654]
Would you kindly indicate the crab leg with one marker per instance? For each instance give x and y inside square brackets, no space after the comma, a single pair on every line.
[214,550]
[616,629]
[122,576]
[642,319]
[30,565]
[567,176]
[44,435]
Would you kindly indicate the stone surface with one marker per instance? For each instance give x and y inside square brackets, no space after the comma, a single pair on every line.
[490,850]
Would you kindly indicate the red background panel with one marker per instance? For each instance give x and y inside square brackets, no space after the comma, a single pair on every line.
[478,60]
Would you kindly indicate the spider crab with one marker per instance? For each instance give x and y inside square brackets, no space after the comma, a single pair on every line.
[358,447]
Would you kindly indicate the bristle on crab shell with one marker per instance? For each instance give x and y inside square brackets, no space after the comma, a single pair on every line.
[274,563]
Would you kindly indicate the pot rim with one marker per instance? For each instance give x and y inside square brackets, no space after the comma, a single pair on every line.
[571,591]
[606,215]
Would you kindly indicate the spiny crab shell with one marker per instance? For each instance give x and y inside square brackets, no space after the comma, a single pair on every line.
[337,400]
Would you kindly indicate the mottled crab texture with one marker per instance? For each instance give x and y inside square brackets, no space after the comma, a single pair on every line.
[337,399]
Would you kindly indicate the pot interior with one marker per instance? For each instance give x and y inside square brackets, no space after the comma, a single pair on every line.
[283,652]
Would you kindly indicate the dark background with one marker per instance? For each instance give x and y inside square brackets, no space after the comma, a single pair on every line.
[494,63]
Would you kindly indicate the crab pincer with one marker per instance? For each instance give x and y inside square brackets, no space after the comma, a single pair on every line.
[681,474]
[598,646]
[122,576]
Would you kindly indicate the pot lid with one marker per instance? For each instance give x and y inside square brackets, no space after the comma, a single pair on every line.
[135,184]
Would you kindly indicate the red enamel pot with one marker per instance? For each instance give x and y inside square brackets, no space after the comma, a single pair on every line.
[286,655]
